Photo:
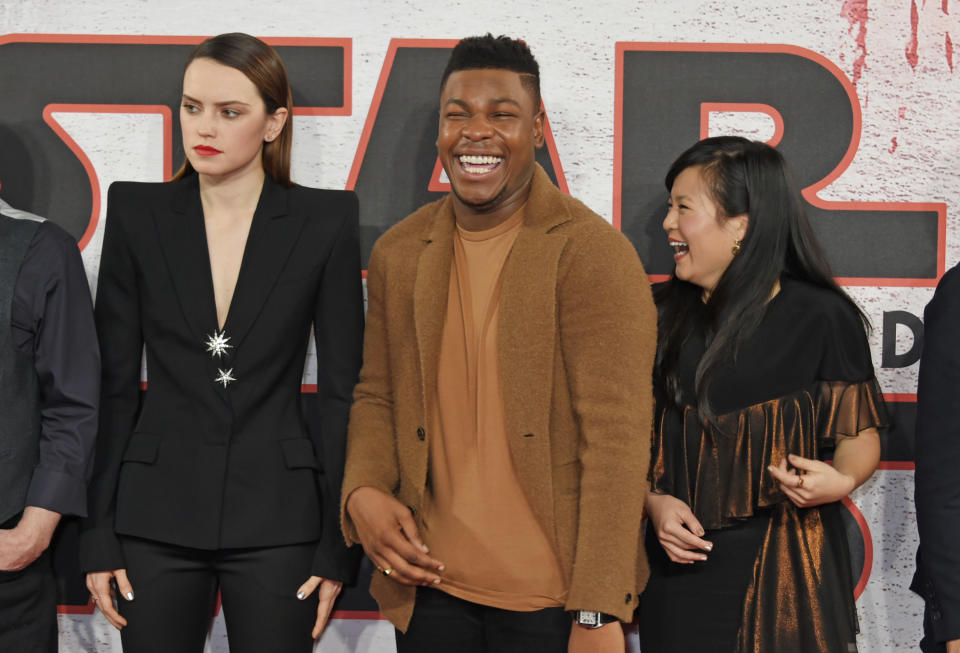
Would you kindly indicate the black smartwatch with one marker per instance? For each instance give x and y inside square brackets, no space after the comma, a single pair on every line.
[592,619]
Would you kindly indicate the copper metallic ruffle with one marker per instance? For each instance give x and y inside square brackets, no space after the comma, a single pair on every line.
[721,473]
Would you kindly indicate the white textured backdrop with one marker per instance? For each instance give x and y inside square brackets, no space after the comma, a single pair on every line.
[897,53]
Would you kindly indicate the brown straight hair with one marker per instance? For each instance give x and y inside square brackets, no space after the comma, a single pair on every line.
[262,66]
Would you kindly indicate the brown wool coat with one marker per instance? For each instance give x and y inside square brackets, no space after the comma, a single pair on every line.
[577,335]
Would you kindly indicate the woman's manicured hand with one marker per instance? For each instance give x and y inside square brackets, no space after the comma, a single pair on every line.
[677,529]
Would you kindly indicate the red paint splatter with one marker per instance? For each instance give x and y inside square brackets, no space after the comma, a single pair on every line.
[945,6]
[902,113]
[911,50]
[856,13]
[893,145]
[948,46]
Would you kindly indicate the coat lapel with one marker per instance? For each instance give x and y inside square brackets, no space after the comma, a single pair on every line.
[528,331]
[527,328]
[183,241]
[430,294]
[272,236]
[184,245]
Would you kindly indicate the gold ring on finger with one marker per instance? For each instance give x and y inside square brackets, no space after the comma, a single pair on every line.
[387,571]
[799,481]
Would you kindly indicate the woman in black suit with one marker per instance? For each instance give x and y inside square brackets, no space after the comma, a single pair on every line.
[212,480]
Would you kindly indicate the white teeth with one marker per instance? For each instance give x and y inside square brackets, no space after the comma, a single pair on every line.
[468,159]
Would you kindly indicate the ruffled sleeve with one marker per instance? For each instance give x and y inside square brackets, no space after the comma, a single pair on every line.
[720,470]
[849,398]
[845,409]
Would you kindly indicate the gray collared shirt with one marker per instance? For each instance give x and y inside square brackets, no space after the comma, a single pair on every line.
[52,318]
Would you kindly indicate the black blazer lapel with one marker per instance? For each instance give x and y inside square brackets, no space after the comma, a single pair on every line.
[184,243]
[273,234]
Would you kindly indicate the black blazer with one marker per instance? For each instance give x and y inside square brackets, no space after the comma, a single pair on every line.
[208,464]
[937,456]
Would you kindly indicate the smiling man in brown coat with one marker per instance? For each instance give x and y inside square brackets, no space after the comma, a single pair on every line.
[499,438]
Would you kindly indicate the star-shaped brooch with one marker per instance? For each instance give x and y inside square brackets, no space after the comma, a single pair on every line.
[217,343]
[225,377]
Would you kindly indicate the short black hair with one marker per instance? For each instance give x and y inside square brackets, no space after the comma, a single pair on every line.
[503,52]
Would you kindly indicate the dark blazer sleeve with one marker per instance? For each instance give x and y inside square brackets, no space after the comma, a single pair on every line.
[937,457]
[117,313]
[338,328]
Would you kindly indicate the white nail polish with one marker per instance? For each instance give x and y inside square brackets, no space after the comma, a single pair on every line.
[129,596]
[301,594]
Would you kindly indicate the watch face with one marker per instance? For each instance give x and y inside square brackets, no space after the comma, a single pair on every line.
[588,618]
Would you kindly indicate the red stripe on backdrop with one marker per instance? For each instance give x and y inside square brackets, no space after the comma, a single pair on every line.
[867,546]
[371,615]
[706,108]
[58,129]
[897,465]
[368,615]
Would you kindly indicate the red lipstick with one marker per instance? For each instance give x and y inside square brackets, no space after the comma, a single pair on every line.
[206,150]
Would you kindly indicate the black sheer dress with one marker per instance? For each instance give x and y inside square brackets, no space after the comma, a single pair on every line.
[779,578]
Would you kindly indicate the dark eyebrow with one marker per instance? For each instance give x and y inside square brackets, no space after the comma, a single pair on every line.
[463,104]
[218,104]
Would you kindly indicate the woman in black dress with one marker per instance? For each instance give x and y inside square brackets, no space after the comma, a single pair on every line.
[762,370]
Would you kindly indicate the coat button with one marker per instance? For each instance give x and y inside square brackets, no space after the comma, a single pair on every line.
[629,597]
[421,434]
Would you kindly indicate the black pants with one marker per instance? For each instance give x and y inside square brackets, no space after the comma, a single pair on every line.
[28,609]
[175,591]
[443,623]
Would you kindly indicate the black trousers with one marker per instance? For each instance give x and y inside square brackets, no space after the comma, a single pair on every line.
[28,609]
[175,591]
[443,623]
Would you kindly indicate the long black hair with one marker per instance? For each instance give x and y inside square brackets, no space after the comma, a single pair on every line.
[742,177]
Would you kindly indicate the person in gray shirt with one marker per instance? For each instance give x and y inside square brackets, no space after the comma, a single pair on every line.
[49,392]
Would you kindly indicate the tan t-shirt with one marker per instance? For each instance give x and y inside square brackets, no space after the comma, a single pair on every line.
[476,518]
